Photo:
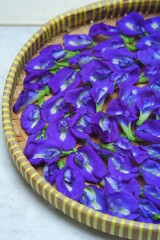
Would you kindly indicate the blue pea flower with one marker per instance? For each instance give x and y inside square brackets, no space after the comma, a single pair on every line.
[70,183]
[80,99]
[38,152]
[103,29]
[153,151]
[152,193]
[28,97]
[32,120]
[94,197]
[149,56]
[50,172]
[122,204]
[55,51]
[37,80]
[120,165]
[149,131]
[147,212]
[106,127]
[154,82]
[96,72]
[150,171]
[81,59]
[131,25]
[152,25]
[113,43]
[88,162]
[64,79]
[54,106]
[119,59]
[76,41]
[150,41]
[59,131]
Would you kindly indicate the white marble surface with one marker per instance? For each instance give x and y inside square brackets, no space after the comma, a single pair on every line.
[24,214]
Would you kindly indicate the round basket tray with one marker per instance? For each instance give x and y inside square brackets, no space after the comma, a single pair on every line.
[77,21]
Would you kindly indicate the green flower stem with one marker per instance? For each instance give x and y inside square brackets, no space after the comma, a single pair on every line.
[156,216]
[66,153]
[128,131]
[132,48]
[62,64]
[41,101]
[61,164]
[127,39]
[44,92]
[108,146]
[143,117]
[143,80]
[99,107]
[70,54]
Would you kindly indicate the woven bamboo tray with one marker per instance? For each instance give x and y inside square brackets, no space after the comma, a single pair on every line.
[77,21]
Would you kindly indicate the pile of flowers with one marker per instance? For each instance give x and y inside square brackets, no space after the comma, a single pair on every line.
[97,136]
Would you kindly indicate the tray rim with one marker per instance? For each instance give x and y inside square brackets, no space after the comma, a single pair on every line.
[97,220]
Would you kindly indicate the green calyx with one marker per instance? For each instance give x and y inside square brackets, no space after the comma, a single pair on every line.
[108,146]
[143,117]
[129,40]
[61,164]
[143,79]
[132,48]
[44,92]
[128,132]
[66,153]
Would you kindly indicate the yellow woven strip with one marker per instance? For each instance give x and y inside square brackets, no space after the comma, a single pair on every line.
[50,194]
[104,222]
[44,28]
[43,37]
[31,177]
[158,237]
[99,10]
[80,16]
[79,211]
[142,5]
[136,5]
[7,91]
[93,11]
[58,25]
[156,5]
[75,18]
[5,104]
[37,184]
[85,14]
[14,146]
[64,204]
[38,39]
[11,139]
[25,49]
[72,208]
[6,115]
[17,63]
[88,216]
[150,228]
[113,225]
[56,199]
[140,235]
[95,220]
[53,27]
[20,157]
[11,132]
[63,22]
[130,227]
[29,48]
[6,121]
[149,5]
[22,52]
[33,39]
[69,19]
[13,69]
[8,85]
[6,97]
[18,151]
[120,6]
[19,59]
[27,170]
[121,228]
[49,31]
[22,164]
[107,8]
[44,190]
[12,76]
[8,127]
[114,7]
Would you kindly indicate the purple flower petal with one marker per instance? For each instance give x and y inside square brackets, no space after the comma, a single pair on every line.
[147,212]
[120,165]
[153,151]
[119,58]
[152,193]
[104,153]
[81,59]
[80,98]
[70,182]
[59,132]
[116,184]
[64,79]
[113,43]
[107,128]
[102,29]
[39,152]
[149,56]
[96,72]
[88,163]
[40,63]
[32,120]
[94,197]
[55,51]
[131,25]
[122,204]
[149,131]
[152,25]
[154,82]
[55,105]
[50,172]
[148,42]
[37,80]
[76,41]
[151,172]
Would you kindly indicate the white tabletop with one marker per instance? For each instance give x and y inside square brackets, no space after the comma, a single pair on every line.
[23,213]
